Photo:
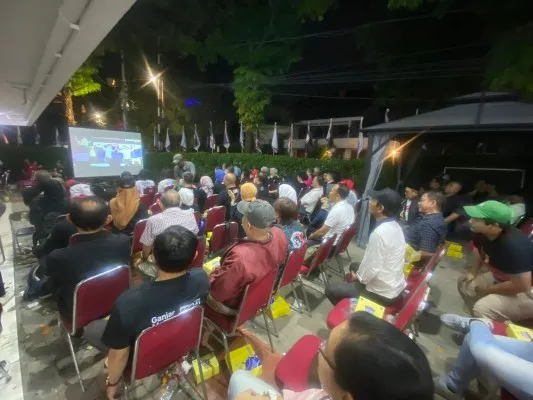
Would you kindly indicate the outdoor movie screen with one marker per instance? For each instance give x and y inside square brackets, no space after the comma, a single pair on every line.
[101,153]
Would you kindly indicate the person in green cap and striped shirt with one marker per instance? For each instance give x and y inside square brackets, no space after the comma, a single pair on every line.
[505,292]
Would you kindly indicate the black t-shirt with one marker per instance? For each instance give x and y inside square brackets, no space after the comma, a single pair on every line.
[218,188]
[511,252]
[263,193]
[224,199]
[152,303]
[200,197]
[452,204]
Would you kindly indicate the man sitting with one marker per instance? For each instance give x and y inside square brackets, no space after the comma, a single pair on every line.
[309,201]
[144,182]
[505,293]
[199,195]
[426,233]
[175,289]
[94,251]
[338,220]
[172,215]
[260,182]
[380,275]
[329,182]
[229,197]
[410,211]
[263,250]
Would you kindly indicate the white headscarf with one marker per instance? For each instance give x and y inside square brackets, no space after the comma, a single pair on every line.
[288,191]
[186,197]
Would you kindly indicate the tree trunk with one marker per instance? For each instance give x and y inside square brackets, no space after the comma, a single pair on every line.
[69,107]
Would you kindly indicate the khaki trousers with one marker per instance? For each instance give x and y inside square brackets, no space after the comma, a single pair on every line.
[496,307]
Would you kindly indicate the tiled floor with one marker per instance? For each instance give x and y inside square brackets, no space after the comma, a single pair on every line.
[46,371]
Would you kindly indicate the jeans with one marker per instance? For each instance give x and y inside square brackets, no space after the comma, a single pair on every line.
[93,334]
[509,362]
[241,381]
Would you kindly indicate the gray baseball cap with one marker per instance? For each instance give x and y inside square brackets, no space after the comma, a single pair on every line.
[177,158]
[259,213]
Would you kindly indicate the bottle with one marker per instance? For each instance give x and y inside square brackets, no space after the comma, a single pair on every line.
[171,388]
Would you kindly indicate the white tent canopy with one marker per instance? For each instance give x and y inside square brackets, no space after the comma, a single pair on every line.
[42,44]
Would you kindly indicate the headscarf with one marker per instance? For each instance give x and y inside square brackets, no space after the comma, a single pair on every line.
[288,191]
[186,197]
[124,206]
[206,184]
[248,192]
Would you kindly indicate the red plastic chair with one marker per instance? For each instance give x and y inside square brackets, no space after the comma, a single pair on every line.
[224,235]
[292,371]
[255,298]
[159,346]
[215,216]
[320,258]
[156,208]
[138,231]
[198,261]
[211,201]
[147,199]
[291,273]
[342,246]
[157,196]
[152,190]
[93,298]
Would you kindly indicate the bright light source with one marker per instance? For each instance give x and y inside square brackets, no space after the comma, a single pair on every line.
[97,115]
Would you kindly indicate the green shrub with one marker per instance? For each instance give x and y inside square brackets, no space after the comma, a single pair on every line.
[13,159]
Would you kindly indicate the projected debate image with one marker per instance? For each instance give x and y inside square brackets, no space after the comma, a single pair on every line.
[100,153]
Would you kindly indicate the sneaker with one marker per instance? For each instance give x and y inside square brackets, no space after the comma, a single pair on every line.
[461,324]
[442,390]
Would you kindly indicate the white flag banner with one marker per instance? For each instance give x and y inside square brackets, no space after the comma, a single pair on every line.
[387,111]
[360,143]
[19,136]
[226,137]
[155,138]
[183,143]
[328,136]
[290,143]
[167,142]
[275,139]
[57,137]
[241,137]
[196,138]
[212,143]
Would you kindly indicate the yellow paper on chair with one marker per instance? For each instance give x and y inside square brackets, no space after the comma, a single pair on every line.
[245,358]
[363,304]
[407,268]
[455,250]
[279,307]
[210,266]
[519,332]
[210,367]
[411,255]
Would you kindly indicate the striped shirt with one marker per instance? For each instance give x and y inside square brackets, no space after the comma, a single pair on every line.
[173,216]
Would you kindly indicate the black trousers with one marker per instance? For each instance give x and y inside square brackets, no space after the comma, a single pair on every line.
[335,292]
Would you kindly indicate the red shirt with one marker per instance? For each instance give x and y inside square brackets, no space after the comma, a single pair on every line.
[246,263]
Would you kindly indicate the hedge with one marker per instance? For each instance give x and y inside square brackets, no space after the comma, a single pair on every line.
[13,159]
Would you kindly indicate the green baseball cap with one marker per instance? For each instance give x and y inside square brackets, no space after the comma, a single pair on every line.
[492,210]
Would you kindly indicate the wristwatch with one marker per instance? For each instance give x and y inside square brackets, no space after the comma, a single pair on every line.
[109,384]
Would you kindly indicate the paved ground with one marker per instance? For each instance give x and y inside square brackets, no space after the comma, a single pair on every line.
[42,368]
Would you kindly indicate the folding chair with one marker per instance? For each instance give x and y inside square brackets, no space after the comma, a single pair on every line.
[292,371]
[93,298]
[342,246]
[319,259]
[215,216]
[211,201]
[162,345]
[198,261]
[138,231]
[224,235]
[255,298]
[152,190]
[17,233]
[291,273]
[147,199]
[155,208]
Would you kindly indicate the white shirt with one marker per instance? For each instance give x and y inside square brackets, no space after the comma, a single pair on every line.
[143,184]
[156,224]
[288,191]
[382,267]
[80,189]
[339,219]
[310,199]
[352,198]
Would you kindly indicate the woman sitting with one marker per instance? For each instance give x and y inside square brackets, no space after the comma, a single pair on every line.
[206,184]
[126,208]
[187,199]
[166,182]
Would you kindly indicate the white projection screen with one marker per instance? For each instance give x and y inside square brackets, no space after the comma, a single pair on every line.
[101,153]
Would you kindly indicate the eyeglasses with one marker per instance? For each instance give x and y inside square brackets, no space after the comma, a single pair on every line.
[322,351]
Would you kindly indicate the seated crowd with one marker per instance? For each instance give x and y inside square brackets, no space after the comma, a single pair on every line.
[97,235]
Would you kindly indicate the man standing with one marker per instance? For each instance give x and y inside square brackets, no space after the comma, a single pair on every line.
[426,233]
[229,197]
[410,210]
[504,293]
[380,275]
[263,250]
[176,289]
[94,251]
[180,166]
